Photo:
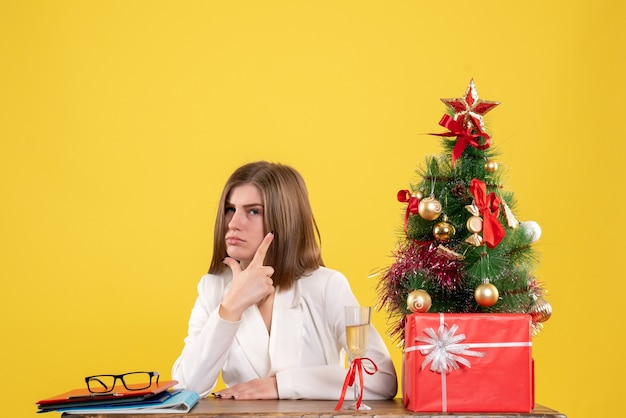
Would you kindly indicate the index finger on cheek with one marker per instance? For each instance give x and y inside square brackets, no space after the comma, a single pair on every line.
[259,256]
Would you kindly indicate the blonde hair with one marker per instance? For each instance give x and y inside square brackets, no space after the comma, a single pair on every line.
[295,249]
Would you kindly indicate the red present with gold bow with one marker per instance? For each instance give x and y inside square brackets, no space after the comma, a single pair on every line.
[468,363]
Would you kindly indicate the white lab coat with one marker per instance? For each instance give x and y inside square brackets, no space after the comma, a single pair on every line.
[305,349]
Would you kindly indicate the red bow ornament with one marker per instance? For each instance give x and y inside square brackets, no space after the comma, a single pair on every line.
[489,207]
[411,208]
[465,135]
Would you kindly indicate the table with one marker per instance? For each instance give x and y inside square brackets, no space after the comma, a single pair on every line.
[228,408]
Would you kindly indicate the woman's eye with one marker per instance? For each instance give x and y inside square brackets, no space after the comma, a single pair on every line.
[229,209]
[254,211]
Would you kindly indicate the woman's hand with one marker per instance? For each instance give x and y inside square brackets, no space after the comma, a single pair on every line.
[265,388]
[249,286]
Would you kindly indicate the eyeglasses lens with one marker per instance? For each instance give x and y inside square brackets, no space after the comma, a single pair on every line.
[138,380]
[101,384]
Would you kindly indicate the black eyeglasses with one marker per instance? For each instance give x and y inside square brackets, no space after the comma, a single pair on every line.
[104,383]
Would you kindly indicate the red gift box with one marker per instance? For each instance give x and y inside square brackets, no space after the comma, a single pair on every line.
[468,363]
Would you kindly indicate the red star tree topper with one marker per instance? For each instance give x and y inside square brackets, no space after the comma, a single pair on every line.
[469,109]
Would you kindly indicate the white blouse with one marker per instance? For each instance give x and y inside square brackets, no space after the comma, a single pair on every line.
[305,349]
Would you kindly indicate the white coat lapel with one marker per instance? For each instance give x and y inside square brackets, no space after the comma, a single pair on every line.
[285,343]
[253,339]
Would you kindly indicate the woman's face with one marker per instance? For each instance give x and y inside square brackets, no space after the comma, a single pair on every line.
[244,223]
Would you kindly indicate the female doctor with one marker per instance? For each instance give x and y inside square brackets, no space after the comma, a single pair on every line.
[269,316]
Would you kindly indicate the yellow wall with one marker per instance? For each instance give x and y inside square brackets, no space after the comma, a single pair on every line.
[120,121]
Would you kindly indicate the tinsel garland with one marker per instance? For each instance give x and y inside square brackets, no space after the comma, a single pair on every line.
[426,264]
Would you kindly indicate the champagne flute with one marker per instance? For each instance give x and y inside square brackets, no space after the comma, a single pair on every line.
[357,339]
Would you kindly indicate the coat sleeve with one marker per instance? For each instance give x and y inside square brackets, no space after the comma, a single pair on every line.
[208,340]
[326,381]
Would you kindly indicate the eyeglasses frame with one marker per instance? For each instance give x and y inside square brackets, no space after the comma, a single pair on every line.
[121,378]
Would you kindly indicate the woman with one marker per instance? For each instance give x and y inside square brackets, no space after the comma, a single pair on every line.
[269,315]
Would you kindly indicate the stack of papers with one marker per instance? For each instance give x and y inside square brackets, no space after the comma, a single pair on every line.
[158,398]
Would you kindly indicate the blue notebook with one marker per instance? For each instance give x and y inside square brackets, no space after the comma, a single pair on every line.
[178,402]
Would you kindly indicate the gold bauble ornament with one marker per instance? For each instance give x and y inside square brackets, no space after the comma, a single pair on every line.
[418,195]
[418,301]
[541,310]
[429,208]
[486,294]
[491,166]
[444,230]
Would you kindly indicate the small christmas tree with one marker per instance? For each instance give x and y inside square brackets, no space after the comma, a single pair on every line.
[462,249]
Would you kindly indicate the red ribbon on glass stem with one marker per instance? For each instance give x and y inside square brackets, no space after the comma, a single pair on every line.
[356,367]
[465,136]
[489,206]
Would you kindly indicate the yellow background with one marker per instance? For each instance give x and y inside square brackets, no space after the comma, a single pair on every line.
[120,121]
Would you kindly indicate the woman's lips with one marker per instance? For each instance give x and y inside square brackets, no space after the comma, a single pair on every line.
[233,241]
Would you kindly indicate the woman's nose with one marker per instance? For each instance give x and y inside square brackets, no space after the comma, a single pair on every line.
[235,221]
